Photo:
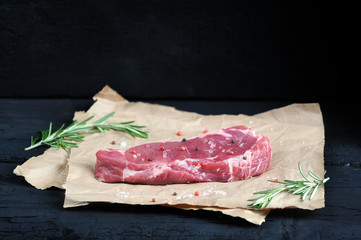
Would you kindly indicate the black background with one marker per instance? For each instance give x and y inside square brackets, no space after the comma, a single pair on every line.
[168,49]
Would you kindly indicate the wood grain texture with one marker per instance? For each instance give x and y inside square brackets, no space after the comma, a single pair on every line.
[26,212]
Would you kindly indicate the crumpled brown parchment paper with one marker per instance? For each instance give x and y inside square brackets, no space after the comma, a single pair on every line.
[296,133]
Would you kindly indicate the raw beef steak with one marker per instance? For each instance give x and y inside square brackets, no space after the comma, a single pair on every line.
[223,155]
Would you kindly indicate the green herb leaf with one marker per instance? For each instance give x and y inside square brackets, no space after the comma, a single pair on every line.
[304,188]
[67,137]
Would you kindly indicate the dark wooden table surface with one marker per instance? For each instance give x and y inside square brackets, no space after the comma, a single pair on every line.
[29,213]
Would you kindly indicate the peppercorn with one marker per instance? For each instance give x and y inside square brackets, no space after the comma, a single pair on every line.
[244,157]
[233,141]
[183,148]
[174,194]
[197,149]
[149,159]
[183,140]
[113,142]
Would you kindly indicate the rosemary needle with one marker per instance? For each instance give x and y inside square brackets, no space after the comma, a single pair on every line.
[304,188]
[67,137]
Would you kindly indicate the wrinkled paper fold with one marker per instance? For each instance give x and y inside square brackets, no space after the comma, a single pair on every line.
[296,133]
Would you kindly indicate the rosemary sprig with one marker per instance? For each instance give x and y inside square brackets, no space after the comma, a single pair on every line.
[304,188]
[67,137]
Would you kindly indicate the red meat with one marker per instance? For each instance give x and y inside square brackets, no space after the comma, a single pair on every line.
[223,155]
